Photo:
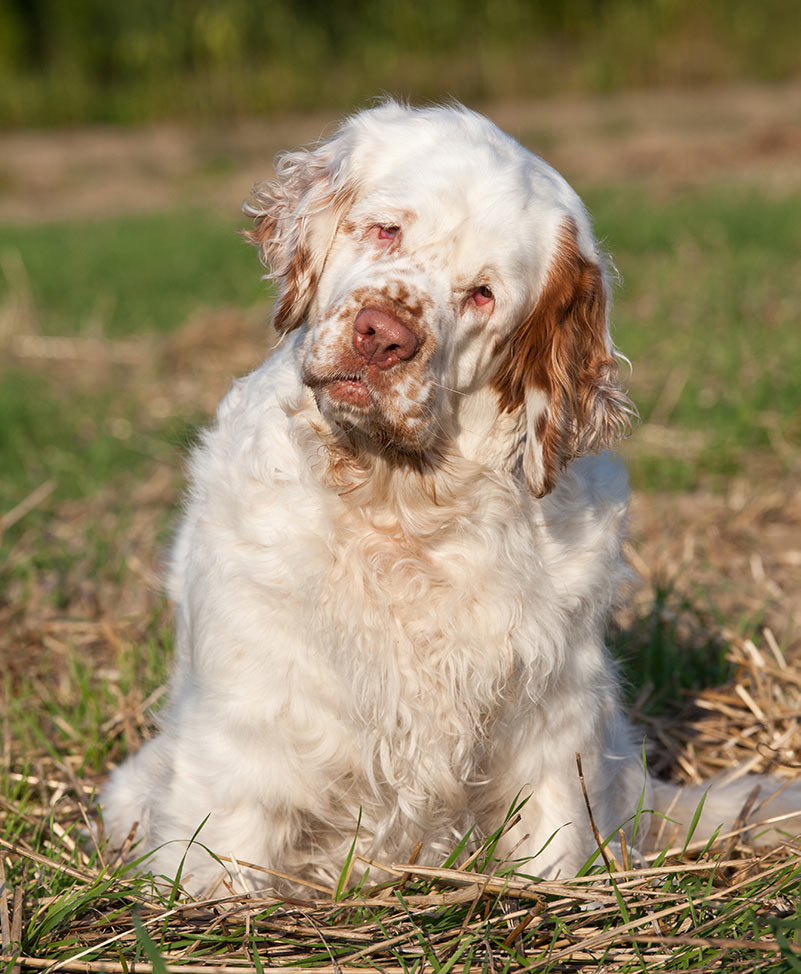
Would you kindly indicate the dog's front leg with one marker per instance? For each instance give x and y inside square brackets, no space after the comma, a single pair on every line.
[538,763]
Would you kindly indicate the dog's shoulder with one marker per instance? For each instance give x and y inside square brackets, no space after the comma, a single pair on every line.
[251,441]
[596,485]
[248,481]
[262,402]
[583,525]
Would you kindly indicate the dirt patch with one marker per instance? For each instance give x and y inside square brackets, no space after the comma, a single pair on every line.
[665,139]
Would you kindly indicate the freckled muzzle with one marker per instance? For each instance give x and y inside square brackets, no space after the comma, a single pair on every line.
[367,362]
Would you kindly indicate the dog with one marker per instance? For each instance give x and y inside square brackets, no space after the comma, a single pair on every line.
[402,538]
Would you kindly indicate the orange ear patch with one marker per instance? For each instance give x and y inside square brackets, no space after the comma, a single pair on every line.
[562,349]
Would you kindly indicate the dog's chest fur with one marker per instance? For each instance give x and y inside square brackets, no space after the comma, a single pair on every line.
[423,666]
[428,590]
[432,609]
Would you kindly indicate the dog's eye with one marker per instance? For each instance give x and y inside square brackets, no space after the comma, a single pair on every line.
[483,296]
[383,234]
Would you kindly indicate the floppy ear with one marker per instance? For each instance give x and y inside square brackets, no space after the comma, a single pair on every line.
[559,367]
[295,219]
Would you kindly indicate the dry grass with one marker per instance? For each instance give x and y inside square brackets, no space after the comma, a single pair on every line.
[435,917]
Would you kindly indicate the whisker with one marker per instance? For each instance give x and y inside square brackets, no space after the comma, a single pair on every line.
[441,385]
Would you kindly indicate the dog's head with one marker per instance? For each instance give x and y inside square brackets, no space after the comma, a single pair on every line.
[433,260]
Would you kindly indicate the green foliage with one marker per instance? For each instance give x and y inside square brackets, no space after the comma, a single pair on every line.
[151,950]
[116,61]
[672,649]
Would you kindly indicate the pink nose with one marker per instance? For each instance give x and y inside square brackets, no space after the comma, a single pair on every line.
[381,339]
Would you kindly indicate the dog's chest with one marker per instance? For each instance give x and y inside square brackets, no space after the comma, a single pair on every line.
[422,624]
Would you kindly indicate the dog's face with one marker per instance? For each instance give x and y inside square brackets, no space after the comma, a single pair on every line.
[432,258]
[421,285]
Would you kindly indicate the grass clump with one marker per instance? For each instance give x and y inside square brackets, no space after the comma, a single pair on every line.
[738,911]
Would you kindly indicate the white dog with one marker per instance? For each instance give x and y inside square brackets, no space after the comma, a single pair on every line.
[397,559]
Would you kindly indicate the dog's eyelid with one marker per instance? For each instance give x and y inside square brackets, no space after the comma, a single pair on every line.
[481,296]
[385,232]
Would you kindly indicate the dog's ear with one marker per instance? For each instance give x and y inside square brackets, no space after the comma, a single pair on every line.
[295,218]
[559,368]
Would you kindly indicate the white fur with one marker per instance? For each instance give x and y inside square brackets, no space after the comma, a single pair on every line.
[376,615]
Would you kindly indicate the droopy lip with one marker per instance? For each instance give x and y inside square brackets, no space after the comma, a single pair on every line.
[350,390]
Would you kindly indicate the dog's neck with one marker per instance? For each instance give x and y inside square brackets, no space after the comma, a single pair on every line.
[477,443]
[485,434]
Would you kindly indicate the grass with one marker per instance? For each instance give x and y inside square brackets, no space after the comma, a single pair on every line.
[86,914]
[40,438]
[673,648]
[708,294]
[98,400]
[127,276]
[730,908]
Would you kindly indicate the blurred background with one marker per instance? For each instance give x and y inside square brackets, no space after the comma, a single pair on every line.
[92,61]
[130,133]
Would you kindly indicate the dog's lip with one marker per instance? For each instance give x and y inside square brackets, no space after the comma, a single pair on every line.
[349,388]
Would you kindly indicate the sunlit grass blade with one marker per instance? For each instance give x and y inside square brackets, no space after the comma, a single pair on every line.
[694,822]
[150,949]
[347,866]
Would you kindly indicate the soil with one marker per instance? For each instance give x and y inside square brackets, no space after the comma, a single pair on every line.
[666,139]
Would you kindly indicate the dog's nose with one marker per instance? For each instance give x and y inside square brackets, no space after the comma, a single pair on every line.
[381,339]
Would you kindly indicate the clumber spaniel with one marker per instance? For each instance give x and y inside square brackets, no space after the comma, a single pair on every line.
[398,554]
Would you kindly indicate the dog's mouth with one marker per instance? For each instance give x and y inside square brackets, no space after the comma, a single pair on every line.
[349,390]
[356,401]
[368,370]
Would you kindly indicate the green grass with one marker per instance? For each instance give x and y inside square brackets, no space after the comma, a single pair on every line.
[45,434]
[673,648]
[125,277]
[129,275]
[474,919]
[708,313]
